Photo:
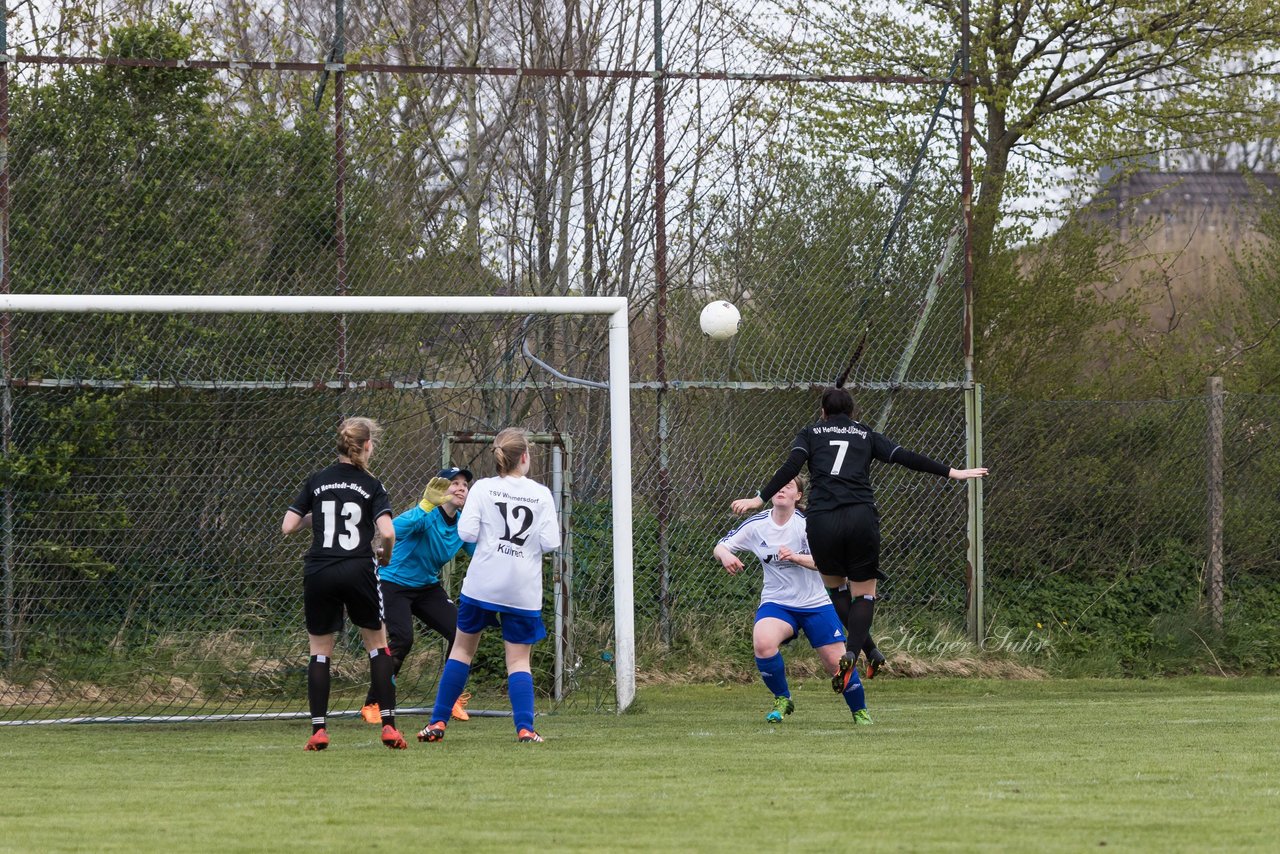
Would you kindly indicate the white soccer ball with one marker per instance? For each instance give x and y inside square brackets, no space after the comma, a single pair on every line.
[720,320]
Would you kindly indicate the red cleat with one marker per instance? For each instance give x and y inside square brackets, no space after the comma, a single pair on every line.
[319,740]
[528,735]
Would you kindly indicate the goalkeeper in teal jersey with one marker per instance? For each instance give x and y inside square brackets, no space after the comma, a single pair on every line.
[426,539]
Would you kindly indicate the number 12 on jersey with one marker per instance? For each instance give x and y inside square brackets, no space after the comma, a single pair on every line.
[518,515]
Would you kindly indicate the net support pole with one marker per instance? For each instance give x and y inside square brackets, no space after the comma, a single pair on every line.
[619,390]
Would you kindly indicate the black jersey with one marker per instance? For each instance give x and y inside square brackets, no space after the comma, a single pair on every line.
[839,452]
[344,502]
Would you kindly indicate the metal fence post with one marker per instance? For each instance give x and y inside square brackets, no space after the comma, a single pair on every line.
[663,505]
[10,622]
[1213,573]
[973,459]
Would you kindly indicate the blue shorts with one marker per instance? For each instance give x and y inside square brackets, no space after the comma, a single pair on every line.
[516,628]
[820,625]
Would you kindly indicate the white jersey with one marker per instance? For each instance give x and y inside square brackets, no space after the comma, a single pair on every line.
[512,521]
[785,583]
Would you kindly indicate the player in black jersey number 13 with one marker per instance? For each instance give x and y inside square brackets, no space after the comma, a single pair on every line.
[842,523]
[343,505]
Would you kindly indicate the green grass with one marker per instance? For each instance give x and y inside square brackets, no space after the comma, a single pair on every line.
[1180,764]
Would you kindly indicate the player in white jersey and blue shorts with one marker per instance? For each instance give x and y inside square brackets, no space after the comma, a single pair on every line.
[512,520]
[793,599]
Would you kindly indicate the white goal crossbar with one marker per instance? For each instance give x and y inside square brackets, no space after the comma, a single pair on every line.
[619,390]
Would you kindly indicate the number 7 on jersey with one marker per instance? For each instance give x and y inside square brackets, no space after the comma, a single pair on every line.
[843,447]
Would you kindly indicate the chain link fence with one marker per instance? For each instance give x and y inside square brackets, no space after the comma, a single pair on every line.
[1099,521]
[148,459]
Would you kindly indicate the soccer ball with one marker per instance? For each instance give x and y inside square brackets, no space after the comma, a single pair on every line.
[720,320]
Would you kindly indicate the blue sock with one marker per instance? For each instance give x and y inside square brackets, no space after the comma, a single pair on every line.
[452,680]
[520,690]
[853,693]
[774,673]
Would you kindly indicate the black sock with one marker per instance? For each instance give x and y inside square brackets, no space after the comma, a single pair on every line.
[869,647]
[318,690]
[860,614]
[841,599]
[372,696]
[382,671]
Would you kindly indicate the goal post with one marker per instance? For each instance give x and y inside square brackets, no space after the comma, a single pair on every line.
[619,407]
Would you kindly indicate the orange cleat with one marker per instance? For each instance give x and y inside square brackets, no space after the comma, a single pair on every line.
[528,735]
[371,714]
[319,740]
[392,738]
[459,712]
[432,732]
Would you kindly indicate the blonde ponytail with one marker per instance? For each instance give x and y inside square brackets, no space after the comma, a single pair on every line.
[352,436]
[508,447]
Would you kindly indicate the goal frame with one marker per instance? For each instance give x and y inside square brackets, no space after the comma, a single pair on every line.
[619,388]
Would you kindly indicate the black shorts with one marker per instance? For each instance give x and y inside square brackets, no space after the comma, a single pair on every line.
[353,585]
[846,541]
[431,604]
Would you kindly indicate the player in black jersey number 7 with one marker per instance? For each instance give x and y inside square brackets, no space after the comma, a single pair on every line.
[342,505]
[842,521]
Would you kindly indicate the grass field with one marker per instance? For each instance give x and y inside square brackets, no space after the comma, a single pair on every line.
[1171,765]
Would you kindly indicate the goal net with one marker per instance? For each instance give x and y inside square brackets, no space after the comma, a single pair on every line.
[152,445]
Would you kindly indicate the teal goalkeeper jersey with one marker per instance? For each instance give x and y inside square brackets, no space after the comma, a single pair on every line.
[425,541]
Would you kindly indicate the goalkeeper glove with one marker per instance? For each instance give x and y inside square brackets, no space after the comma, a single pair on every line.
[436,493]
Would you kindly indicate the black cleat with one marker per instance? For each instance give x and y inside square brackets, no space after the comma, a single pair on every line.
[875,663]
[841,679]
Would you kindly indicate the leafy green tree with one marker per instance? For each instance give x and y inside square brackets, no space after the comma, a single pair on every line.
[1250,357]
[1062,91]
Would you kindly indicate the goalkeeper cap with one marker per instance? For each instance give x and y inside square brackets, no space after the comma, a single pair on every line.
[454,471]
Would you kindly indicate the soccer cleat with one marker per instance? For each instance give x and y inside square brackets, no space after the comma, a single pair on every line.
[371,714]
[319,740]
[841,679]
[459,712]
[875,663]
[392,738]
[528,735]
[861,718]
[432,732]
[782,706]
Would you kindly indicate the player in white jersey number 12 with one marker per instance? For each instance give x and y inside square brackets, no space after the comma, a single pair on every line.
[512,520]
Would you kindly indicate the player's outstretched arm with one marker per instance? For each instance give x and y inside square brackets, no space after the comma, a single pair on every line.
[919,462]
[742,506]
